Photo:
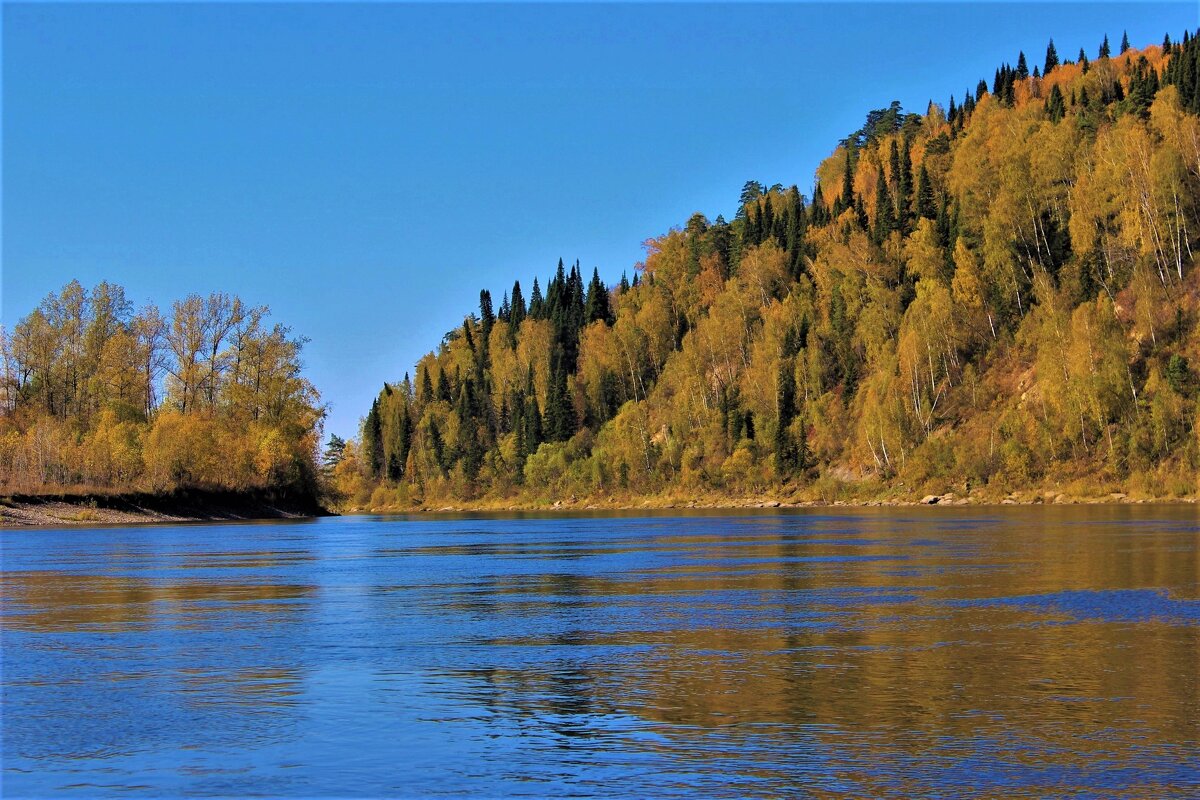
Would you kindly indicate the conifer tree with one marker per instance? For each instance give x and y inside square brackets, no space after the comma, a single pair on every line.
[1051,58]
[786,454]
[1124,42]
[848,181]
[437,446]
[537,306]
[372,442]
[519,311]
[1055,106]
[1105,51]
[1022,67]
[905,189]
[334,451]
[926,209]
[426,386]
[885,212]
[486,316]
[597,307]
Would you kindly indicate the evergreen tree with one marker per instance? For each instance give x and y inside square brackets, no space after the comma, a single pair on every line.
[848,182]
[537,306]
[372,439]
[1056,108]
[559,416]
[885,212]
[786,454]
[926,208]
[519,311]
[980,90]
[1022,67]
[334,451]
[1124,42]
[486,317]
[751,191]
[1051,58]
[904,186]
[437,446]
[426,387]
[1105,51]
[597,307]
[1083,61]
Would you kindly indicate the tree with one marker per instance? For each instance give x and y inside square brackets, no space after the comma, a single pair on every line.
[372,442]
[1056,107]
[787,454]
[334,451]
[597,305]
[1051,58]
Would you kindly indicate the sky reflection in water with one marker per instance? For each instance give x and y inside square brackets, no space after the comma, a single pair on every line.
[932,652]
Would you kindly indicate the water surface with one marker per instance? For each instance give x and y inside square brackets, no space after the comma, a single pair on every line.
[930,652]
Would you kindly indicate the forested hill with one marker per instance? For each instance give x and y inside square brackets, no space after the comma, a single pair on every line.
[996,294]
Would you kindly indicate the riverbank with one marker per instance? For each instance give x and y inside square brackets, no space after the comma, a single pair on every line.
[731,502]
[46,510]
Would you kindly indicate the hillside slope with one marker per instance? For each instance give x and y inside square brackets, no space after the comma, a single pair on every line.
[995,295]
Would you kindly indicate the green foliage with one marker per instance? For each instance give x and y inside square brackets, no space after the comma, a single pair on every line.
[994,296]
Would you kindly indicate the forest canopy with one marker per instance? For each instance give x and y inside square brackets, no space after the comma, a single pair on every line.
[997,293]
[98,395]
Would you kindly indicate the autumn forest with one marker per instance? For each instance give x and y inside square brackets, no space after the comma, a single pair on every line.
[996,294]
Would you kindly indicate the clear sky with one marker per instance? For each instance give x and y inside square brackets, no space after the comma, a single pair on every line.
[366,169]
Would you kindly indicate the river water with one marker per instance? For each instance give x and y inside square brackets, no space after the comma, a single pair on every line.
[1005,652]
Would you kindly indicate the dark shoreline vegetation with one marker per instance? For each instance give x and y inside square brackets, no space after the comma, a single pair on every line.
[993,301]
[179,505]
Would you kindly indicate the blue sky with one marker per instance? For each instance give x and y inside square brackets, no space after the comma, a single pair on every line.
[366,169]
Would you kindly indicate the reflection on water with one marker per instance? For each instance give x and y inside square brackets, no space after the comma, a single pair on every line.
[933,652]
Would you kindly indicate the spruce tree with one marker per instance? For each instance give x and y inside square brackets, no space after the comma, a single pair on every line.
[1056,108]
[1124,42]
[885,212]
[487,317]
[1022,67]
[926,208]
[437,446]
[905,190]
[786,455]
[537,306]
[1051,58]
[597,307]
[372,438]
[1105,50]
[519,311]
[426,387]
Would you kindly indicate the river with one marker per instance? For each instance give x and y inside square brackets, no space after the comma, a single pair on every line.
[942,652]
